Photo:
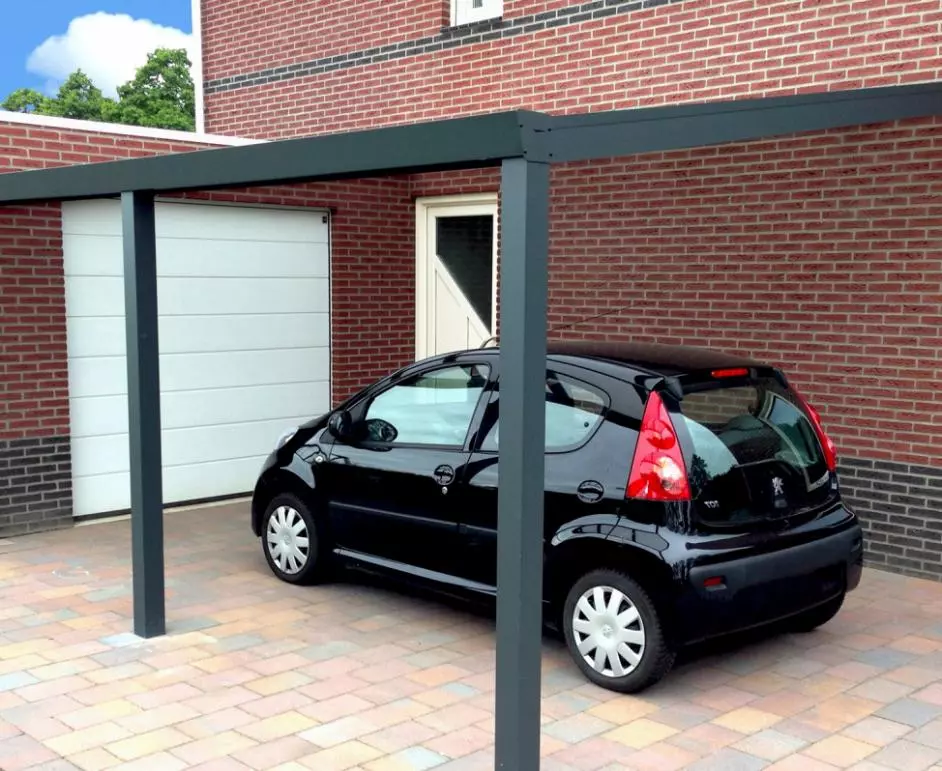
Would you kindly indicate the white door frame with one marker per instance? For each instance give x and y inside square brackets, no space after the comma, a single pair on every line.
[426,209]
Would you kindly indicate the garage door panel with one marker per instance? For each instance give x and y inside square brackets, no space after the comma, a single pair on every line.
[98,297]
[108,492]
[98,217]
[194,257]
[183,446]
[210,480]
[181,372]
[103,296]
[243,223]
[198,296]
[188,220]
[97,336]
[107,375]
[244,343]
[107,415]
[87,255]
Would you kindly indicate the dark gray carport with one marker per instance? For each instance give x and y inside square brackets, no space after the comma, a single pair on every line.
[524,144]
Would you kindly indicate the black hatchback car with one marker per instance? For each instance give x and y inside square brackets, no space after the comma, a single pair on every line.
[689,494]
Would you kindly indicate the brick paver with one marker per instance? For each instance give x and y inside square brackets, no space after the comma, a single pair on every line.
[354,676]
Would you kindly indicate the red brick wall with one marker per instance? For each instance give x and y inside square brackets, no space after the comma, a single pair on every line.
[34,397]
[244,35]
[372,240]
[33,365]
[821,253]
[693,50]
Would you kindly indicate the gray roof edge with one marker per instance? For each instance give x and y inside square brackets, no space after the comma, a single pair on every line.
[473,141]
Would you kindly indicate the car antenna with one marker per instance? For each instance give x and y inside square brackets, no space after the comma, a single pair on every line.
[572,324]
[596,317]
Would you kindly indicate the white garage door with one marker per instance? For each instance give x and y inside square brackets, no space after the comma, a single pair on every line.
[244,343]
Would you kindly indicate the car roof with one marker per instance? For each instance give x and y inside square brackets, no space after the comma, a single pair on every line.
[655,358]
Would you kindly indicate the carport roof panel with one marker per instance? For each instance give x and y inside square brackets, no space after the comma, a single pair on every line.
[673,127]
[477,141]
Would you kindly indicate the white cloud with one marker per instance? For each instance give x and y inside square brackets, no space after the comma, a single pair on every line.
[108,47]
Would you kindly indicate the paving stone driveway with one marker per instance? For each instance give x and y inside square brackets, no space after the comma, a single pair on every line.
[260,675]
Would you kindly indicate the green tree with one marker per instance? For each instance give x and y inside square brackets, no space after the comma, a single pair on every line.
[161,94]
[25,100]
[81,99]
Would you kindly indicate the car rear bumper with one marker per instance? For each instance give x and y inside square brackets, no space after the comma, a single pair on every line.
[753,590]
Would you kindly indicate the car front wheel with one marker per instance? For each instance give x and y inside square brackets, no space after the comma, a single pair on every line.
[614,633]
[290,541]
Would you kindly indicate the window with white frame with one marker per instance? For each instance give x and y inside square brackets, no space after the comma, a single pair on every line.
[468,11]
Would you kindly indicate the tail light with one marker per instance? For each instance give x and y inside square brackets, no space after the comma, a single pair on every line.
[734,372]
[658,472]
[830,451]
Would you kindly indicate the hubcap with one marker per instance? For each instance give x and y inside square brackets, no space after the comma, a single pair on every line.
[288,540]
[608,631]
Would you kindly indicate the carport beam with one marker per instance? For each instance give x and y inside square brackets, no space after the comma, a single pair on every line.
[140,303]
[524,244]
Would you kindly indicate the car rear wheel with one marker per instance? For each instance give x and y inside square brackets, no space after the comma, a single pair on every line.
[290,542]
[614,633]
[816,616]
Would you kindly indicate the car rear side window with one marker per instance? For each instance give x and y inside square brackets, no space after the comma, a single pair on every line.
[755,453]
[573,411]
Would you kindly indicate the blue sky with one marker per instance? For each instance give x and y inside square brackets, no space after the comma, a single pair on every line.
[102,39]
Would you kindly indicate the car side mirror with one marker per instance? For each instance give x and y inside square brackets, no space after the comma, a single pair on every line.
[340,424]
[379,430]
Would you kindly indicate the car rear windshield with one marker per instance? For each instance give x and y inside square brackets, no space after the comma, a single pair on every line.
[756,454]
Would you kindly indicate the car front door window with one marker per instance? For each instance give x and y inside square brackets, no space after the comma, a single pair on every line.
[432,409]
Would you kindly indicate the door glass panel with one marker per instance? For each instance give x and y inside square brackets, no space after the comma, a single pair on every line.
[573,410]
[465,246]
[435,408]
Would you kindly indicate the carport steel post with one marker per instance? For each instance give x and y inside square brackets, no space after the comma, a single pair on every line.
[140,303]
[524,144]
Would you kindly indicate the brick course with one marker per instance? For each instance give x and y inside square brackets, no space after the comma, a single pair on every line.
[286,68]
[34,399]
[35,484]
[900,504]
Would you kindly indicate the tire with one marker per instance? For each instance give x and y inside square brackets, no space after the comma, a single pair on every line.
[817,616]
[617,671]
[287,522]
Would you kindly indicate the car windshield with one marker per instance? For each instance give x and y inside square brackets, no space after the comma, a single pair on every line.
[755,454]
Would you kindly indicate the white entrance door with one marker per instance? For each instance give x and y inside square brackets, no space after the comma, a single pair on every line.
[456,240]
[244,333]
